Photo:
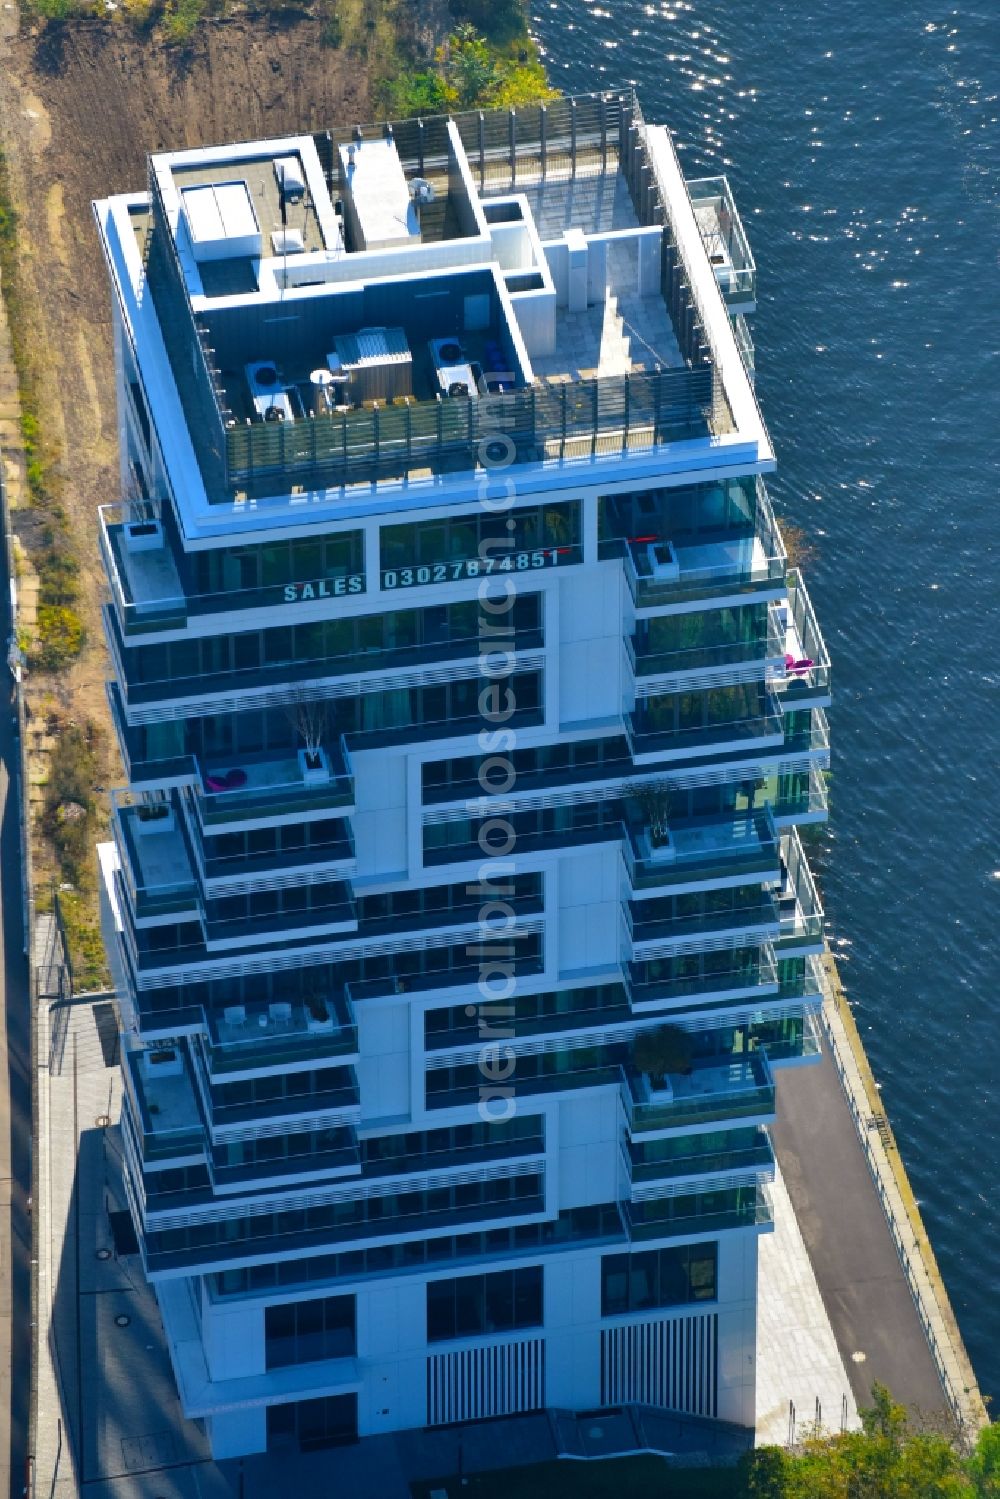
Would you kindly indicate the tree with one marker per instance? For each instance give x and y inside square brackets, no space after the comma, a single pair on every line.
[667,1049]
[310,718]
[984,1464]
[887,1459]
[656,802]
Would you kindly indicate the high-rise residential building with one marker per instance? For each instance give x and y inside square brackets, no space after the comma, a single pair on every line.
[470,706]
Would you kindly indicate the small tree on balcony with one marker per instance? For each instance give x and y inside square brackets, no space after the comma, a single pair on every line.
[660,1052]
[656,800]
[310,718]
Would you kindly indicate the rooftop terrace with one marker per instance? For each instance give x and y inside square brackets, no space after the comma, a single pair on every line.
[377,303]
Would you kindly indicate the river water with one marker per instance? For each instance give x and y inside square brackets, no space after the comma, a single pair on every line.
[862,144]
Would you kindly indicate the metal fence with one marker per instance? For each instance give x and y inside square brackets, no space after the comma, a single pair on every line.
[863,1125]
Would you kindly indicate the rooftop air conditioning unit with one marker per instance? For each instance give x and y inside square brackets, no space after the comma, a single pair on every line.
[290,178]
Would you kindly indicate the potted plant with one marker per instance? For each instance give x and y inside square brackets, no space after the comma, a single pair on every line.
[661,1052]
[310,718]
[656,802]
[318,1017]
[154,817]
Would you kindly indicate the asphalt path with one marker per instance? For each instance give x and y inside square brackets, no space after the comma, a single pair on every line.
[15,1107]
[853,1256]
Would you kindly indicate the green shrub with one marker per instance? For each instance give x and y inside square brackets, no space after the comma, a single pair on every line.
[180,19]
[60,636]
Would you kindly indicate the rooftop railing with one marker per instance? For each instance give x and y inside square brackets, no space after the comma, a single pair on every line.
[544,421]
[725,239]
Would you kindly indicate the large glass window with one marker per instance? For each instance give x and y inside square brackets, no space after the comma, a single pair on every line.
[471,546]
[474,1305]
[303,1332]
[658,1277]
[327,1422]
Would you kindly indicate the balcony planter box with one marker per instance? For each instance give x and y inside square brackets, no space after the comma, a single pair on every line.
[661,1090]
[663,563]
[165,1061]
[661,852]
[143,536]
[315,767]
[158,819]
[314,1022]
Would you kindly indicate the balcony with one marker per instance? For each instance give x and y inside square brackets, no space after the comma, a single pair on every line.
[334,857]
[340,1103]
[164,1108]
[795,1039]
[725,242]
[805,677]
[703,852]
[699,1213]
[145,761]
[649,991]
[650,1161]
[741,1087]
[655,735]
[709,664]
[580,826]
[155,856]
[799,905]
[284,682]
[651,935]
[249,1038]
[273,786]
[574,1012]
[147,588]
[297,913]
[664,569]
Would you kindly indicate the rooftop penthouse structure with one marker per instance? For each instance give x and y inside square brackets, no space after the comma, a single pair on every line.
[469,708]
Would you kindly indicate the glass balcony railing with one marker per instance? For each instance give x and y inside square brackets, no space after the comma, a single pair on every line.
[699,1213]
[335,855]
[741,1087]
[245,1037]
[663,568]
[146,585]
[248,787]
[146,763]
[807,661]
[655,984]
[341,1101]
[725,241]
[752,920]
[166,1120]
[799,905]
[564,827]
[319,908]
[744,342]
[766,647]
[646,1165]
[702,850]
[154,854]
[274,682]
[653,733]
[794,1038]
[320,1226]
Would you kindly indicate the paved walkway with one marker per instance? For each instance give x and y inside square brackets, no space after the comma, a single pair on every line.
[841,1220]
[798,1360]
